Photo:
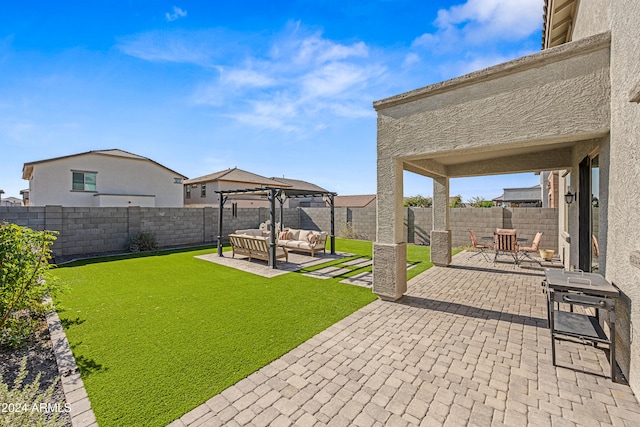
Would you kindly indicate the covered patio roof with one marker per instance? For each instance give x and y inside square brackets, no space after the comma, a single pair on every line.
[523,115]
[534,113]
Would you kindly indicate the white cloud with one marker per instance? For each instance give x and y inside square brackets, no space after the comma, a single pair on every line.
[317,50]
[410,59]
[246,77]
[302,77]
[476,22]
[177,14]
[193,47]
[337,78]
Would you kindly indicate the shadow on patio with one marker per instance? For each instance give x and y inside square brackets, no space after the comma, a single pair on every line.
[467,345]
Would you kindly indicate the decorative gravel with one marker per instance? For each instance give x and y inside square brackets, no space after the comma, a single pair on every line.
[40,359]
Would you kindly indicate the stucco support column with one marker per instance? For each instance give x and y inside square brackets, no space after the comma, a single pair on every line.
[440,234]
[389,250]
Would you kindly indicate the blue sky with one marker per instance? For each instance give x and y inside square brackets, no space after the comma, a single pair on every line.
[279,88]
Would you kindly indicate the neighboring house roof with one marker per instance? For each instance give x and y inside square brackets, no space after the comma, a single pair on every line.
[238,175]
[27,169]
[298,184]
[522,194]
[355,201]
[11,201]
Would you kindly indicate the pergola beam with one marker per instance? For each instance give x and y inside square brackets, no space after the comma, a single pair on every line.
[272,194]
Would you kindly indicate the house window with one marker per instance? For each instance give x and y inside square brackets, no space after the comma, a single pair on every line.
[203,190]
[177,180]
[83,181]
[188,190]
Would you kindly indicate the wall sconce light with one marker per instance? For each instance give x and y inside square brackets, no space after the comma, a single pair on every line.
[569,197]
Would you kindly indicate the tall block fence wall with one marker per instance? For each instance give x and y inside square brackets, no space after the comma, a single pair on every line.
[90,231]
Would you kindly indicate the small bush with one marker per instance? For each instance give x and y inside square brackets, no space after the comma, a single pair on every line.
[419,201]
[348,231]
[24,280]
[143,241]
[26,406]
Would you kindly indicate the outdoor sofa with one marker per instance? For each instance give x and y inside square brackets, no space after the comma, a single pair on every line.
[254,244]
[290,239]
[303,240]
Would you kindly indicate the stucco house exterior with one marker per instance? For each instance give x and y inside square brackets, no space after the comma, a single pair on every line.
[201,191]
[10,201]
[574,108]
[102,178]
[306,202]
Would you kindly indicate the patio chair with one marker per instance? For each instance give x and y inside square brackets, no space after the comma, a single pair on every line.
[595,265]
[507,242]
[479,246]
[596,247]
[526,250]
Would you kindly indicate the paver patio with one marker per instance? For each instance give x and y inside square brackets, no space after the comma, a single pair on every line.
[467,345]
[296,262]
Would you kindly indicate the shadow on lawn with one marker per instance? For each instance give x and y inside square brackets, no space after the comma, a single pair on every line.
[68,323]
[89,366]
[123,256]
[85,365]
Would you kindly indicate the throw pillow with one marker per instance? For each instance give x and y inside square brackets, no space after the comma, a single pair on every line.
[313,238]
[284,235]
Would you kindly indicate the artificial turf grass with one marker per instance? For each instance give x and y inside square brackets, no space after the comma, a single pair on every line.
[156,336]
[417,255]
[147,329]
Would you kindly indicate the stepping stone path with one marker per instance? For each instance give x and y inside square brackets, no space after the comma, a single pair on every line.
[359,262]
[327,272]
[362,279]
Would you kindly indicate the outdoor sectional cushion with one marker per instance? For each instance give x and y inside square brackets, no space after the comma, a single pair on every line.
[293,234]
[298,244]
[302,236]
[299,240]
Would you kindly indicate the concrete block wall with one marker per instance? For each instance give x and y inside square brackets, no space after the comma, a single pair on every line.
[483,221]
[86,231]
[25,216]
[175,226]
[319,219]
[419,222]
[529,221]
[363,221]
[252,218]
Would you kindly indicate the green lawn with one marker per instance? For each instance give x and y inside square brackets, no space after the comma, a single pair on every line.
[155,336]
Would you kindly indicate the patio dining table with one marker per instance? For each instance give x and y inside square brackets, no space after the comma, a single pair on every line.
[490,239]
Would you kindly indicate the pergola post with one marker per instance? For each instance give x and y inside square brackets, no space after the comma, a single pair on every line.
[333,226]
[220,213]
[281,194]
[272,236]
[281,198]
